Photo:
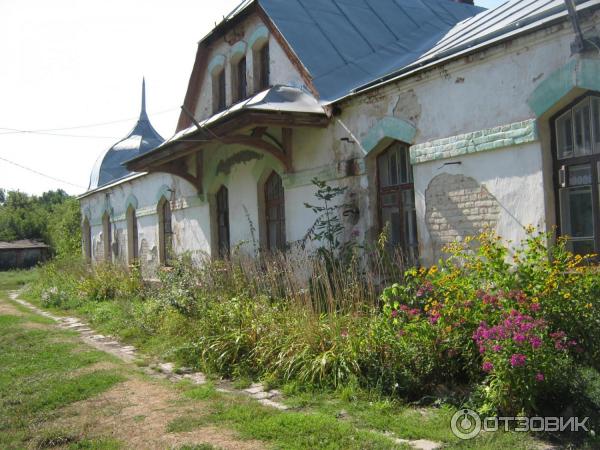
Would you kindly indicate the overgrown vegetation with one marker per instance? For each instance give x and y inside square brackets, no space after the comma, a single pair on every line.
[506,329]
[518,338]
[54,218]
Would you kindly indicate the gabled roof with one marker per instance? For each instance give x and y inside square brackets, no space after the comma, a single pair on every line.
[141,139]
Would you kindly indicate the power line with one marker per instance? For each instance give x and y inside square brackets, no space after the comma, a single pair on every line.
[50,177]
[76,127]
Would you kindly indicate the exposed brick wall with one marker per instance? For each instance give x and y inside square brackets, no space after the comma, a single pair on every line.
[456,207]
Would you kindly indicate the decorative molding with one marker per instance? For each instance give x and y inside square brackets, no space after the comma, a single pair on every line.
[478,141]
[131,201]
[238,50]
[216,63]
[258,36]
[578,73]
[388,128]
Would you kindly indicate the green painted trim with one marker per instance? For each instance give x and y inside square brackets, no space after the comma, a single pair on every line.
[164,191]
[389,128]
[260,34]
[475,142]
[217,62]
[577,73]
[131,201]
[238,49]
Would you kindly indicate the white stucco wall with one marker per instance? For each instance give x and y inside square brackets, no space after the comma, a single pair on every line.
[473,93]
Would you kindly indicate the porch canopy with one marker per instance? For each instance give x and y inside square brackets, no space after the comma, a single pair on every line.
[245,124]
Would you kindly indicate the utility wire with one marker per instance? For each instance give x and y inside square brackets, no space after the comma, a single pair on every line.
[40,173]
[76,127]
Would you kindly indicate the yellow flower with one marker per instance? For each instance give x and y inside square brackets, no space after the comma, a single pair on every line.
[588,306]
[433,270]
[567,295]
[448,329]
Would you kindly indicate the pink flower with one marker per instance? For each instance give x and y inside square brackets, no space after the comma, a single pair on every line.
[344,333]
[519,338]
[536,341]
[395,313]
[497,348]
[434,319]
[518,360]
[535,307]
[487,367]
[539,377]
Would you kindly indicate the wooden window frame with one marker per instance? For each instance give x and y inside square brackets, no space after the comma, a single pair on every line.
[222,222]
[279,203]
[263,70]
[165,232]
[132,236]
[219,86]
[107,234]
[241,79]
[562,164]
[399,190]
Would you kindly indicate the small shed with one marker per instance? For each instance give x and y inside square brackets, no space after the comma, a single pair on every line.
[22,254]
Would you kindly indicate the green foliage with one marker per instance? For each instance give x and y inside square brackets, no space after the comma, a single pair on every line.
[53,217]
[514,330]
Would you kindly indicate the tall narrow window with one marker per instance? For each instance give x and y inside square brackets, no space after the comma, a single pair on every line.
[223,222]
[275,212]
[397,211]
[219,91]
[132,236]
[165,231]
[263,72]
[577,167]
[107,237]
[86,234]
[241,85]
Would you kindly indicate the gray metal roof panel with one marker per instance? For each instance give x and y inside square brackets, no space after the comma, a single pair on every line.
[346,43]
[487,28]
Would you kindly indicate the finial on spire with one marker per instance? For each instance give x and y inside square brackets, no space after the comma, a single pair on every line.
[143,114]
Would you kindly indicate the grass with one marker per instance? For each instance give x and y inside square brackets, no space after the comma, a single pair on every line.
[36,375]
[345,419]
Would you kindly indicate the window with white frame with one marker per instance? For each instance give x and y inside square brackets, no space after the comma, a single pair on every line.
[577,171]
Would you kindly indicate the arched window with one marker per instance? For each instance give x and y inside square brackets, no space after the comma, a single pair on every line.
[86,234]
[107,237]
[262,67]
[165,231]
[223,222]
[240,84]
[397,199]
[132,236]
[275,212]
[577,168]
[219,91]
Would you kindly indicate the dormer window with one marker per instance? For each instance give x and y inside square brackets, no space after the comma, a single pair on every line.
[240,81]
[219,92]
[262,68]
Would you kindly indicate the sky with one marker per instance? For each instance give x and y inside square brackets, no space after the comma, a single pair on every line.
[68,67]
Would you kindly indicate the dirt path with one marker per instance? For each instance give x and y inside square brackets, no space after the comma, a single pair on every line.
[136,412]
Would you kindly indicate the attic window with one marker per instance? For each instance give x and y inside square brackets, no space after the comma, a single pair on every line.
[219,93]
[240,81]
[262,68]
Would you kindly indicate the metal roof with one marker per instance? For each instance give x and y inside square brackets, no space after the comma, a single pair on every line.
[347,43]
[504,22]
[278,99]
[23,244]
[141,139]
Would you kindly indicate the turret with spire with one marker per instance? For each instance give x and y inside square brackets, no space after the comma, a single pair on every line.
[141,139]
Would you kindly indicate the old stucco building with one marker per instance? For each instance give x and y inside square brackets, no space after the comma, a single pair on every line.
[441,119]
